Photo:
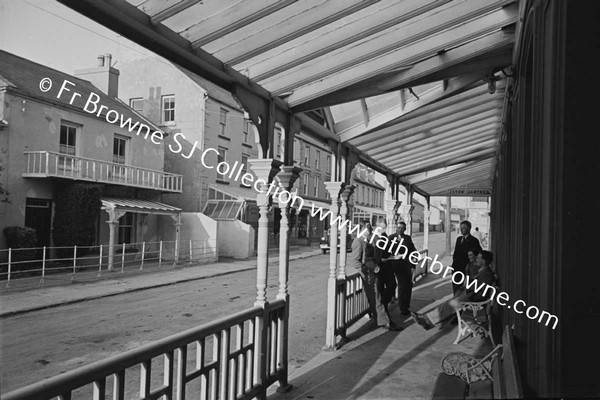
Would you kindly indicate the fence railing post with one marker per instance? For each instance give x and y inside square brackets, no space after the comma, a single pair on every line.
[123,259]
[143,254]
[190,261]
[100,263]
[9,267]
[43,265]
[74,263]
[160,254]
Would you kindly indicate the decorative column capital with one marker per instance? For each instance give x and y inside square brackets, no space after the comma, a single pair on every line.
[405,209]
[426,213]
[347,192]
[287,176]
[334,189]
[265,168]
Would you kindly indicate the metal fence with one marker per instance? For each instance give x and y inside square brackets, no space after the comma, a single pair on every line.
[58,265]
[236,357]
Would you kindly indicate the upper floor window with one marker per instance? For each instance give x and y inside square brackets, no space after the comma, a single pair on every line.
[221,157]
[306,155]
[244,164]
[168,109]
[305,184]
[316,187]
[246,130]
[223,120]
[120,149]
[317,159]
[68,137]
[328,166]
[137,104]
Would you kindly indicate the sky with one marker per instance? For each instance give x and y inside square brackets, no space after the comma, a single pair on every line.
[49,33]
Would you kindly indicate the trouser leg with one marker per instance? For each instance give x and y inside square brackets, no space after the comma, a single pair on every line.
[405,286]
[388,279]
[457,288]
[369,286]
[380,306]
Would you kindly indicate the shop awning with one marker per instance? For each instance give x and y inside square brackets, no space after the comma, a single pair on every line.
[370,210]
[231,192]
[140,206]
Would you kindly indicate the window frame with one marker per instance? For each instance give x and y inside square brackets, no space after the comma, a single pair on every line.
[222,153]
[223,120]
[134,99]
[67,146]
[163,109]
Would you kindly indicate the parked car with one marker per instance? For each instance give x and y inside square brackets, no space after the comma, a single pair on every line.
[325,245]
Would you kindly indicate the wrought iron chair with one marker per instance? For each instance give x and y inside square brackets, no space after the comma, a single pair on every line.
[472,321]
[469,368]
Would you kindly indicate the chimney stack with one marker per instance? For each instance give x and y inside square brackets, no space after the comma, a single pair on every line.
[103,76]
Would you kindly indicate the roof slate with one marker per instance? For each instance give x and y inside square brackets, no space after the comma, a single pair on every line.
[22,76]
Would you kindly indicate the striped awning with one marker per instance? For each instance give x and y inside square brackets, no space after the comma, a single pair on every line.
[138,206]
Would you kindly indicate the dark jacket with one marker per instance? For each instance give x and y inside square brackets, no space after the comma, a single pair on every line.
[406,241]
[460,258]
[484,275]
[380,254]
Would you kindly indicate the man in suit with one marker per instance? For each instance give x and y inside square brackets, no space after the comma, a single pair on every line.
[358,260]
[403,268]
[464,243]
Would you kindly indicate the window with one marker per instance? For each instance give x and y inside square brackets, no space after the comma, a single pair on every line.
[246,129]
[278,143]
[68,135]
[316,187]
[296,150]
[306,155]
[223,121]
[317,159]
[125,228]
[245,166]
[137,104]
[305,184]
[168,109]
[119,149]
[328,166]
[368,196]
[221,157]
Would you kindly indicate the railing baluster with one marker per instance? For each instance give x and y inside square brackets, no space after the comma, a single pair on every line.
[119,386]
[181,372]
[123,259]
[145,378]
[9,267]
[160,254]
[74,263]
[99,389]
[168,374]
[143,254]
[43,266]
[100,263]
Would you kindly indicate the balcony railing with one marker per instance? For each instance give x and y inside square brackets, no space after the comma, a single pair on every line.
[49,164]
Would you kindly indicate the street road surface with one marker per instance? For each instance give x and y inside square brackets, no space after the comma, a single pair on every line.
[42,344]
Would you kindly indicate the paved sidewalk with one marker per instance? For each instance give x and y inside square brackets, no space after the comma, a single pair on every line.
[385,365]
[18,301]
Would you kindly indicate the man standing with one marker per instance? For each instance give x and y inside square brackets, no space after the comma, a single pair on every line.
[403,268]
[385,285]
[358,261]
[477,234]
[464,243]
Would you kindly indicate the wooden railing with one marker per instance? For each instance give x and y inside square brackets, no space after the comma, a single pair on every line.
[351,303]
[351,299]
[47,163]
[236,357]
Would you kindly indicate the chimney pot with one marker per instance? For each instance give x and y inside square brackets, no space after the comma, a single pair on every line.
[107,59]
[100,60]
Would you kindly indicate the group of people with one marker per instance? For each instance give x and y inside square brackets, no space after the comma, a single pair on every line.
[385,275]
[383,272]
